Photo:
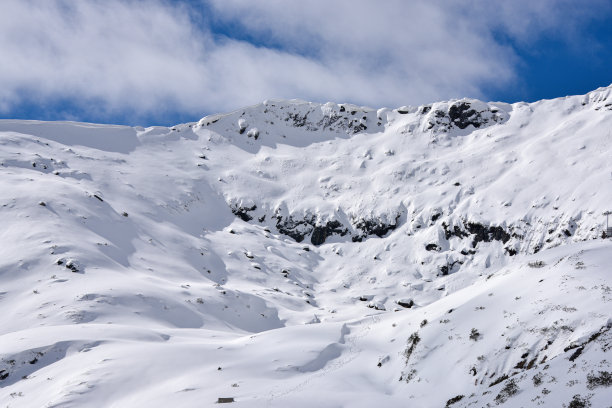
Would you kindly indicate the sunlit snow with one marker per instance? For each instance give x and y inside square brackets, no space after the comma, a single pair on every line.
[293,254]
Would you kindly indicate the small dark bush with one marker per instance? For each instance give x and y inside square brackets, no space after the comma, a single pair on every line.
[408,376]
[453,400]
[510,389]
[413,340]
[474,335]
[604,379]
[537,379]
[579,402]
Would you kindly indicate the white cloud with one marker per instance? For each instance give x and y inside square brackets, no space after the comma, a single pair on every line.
[391,52]
[148,57]
[121,54]
[526,20]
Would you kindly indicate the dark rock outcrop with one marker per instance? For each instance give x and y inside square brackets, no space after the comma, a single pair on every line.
[432,247]
[299,229]
[481,233]
[243,212]
[462,115]
[296,229]
[321,232]
[455,232]
[374,227]
[407,303]
[486,234]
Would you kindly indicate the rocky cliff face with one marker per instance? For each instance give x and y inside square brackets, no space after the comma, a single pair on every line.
[465,171]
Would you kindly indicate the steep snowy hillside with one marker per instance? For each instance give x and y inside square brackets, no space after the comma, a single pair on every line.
[297,254]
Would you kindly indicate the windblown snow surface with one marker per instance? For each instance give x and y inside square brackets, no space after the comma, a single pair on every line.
[293,254]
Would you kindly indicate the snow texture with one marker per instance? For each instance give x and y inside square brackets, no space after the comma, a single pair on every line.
[306,255]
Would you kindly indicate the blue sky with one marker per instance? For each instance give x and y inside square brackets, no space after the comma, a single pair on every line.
[161,62]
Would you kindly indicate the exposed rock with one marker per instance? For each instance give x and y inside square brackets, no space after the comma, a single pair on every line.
[407,303]
[328,121]
[456,231]
[242,125]
[359,128]
[376,306]
[243,212]
[444,270]
[486,234]
[254,133]
[299,229]
[481,233]
[373,227]
[295,229]
[432,247]
[321,232]
[462,115]
[297,119]
[72,265]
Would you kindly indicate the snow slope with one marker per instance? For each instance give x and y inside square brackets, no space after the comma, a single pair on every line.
[297,254]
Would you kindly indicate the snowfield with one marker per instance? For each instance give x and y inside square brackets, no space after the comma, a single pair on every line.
[293,254]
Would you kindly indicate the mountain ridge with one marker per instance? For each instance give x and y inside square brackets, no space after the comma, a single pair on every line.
[293,253]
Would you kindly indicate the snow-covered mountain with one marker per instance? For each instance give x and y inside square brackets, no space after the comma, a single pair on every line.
[299,254]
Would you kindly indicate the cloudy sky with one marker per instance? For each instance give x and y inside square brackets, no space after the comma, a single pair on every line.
[148,62]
